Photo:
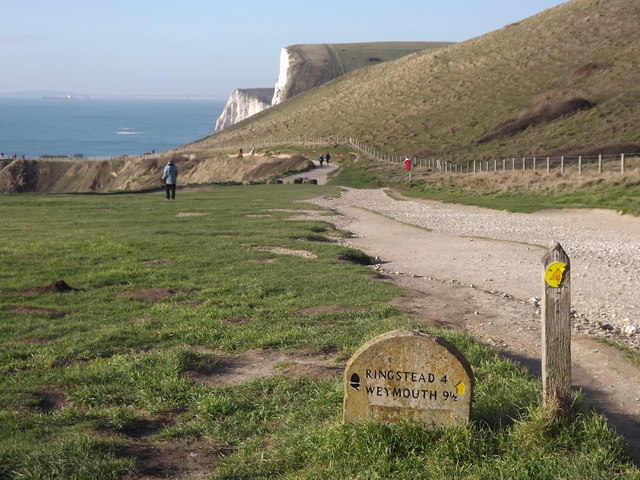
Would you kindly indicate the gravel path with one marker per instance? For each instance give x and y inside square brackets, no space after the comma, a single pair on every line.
[604,248]
[319,174]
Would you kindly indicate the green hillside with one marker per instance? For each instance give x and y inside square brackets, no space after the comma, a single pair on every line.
[565,80]
[358,55]
[313,64]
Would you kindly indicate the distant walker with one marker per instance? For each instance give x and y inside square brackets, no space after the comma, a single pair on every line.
[170,178]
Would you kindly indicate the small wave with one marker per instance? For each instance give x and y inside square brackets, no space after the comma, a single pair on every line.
[129,133]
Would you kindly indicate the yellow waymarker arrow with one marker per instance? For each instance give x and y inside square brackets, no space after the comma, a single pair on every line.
[554,273]
[461,388]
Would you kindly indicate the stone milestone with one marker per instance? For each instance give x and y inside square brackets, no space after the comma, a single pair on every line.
[404,374]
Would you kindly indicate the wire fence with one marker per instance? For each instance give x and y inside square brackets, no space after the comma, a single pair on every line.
[620,162]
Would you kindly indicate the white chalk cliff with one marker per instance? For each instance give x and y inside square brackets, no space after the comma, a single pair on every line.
[306,66]
[243,103]
[287,60]
[302,67]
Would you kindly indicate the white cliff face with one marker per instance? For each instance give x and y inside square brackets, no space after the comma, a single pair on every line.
[302,67]
[243,103]
[287,59]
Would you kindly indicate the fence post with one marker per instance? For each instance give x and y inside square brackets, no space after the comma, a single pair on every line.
[600,163]
[495,165]
[504,164]
[524,164]
[548,165]
[556,331]
[622,163]
[562,164]
[579,163]
[513,163]
[534,164]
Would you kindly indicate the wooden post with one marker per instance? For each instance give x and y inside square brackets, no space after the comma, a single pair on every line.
[562,164]
[548,166]
[580,164]
[534,164]
[622,163]
[600,163]
[556,331]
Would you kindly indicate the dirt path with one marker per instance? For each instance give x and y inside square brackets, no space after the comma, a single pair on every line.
[483,286]
[320,174]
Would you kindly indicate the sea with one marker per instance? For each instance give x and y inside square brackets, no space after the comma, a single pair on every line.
[102,127]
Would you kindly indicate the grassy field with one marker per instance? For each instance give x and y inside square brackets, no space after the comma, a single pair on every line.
[130,372]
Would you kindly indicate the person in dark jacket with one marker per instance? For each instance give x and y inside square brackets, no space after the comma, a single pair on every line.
[170,178]
[327,157]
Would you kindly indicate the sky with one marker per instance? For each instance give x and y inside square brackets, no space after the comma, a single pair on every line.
[211,47]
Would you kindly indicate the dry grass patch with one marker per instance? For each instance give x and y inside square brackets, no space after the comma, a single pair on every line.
[37,340]
[56,286]
[263,260]
[157,261]
[30,309]
[171,460]
[543,110]
[531,180]
[155,294]
[331,309]
[289,251]
[236,320]
[191,214]
[50,399]
[241,368]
